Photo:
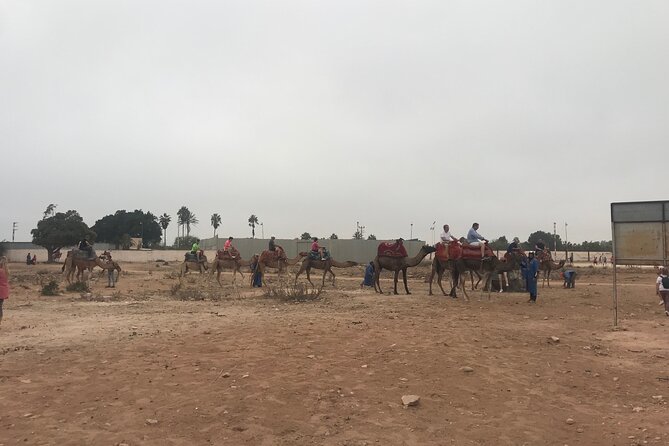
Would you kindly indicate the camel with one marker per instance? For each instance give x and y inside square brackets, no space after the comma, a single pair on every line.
[267,259]
[489,267]
[439,267]
[72,262]
[547,266]
[192,265]
[398,264]
[325,265]
[218,265]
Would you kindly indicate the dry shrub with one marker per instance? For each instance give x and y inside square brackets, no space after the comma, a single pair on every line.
[50,289]
[81,287]
[294,293]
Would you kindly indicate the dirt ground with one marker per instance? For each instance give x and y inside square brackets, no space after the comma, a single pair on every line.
[151,364]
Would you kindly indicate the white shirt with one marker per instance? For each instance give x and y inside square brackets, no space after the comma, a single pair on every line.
[446,237]
[659,281]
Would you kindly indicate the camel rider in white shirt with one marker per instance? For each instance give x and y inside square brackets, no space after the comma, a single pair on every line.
[446,237]
[476,239]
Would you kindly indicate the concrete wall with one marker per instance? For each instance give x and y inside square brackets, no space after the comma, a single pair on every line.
[361,251]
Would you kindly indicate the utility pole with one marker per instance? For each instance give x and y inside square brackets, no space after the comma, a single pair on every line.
[262,230]
[15,226]
[554,237]
[411,233]
[566,241]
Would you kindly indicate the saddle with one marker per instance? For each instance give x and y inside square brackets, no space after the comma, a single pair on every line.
[314,255]
[190,257]
[442,251]
[227,255]
[544,255]
[457,251]
[83,255]
[387,249]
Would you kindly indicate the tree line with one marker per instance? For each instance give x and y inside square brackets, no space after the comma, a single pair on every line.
[62,229]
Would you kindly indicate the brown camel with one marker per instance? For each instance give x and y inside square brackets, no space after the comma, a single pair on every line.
[398,264]
[192,265]
[489,267]
[235,265]
[439,267]
[325,265]
[547,266]
[267,259]
[73,263]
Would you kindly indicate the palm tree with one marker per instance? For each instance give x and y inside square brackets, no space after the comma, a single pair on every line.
[182,216]
[215,222]
[191,220]
[164,223]
[253,221]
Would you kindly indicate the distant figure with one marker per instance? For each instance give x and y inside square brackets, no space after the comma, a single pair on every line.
[539,247]
[369,276]
[514,246]
[272,244]
[34,260]
[571,258]
[594,260]
[569,278]
[4,283]
[531,276]
[661,288]
[28,259]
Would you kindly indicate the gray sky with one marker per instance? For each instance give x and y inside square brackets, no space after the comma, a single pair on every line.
[316,114]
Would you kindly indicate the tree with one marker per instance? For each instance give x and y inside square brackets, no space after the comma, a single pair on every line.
[548,239]
[60,230]
[185,242]
[164,221]
[357,235]
[215,222]
[253,221]
[305,236]
[50,209]
[500,243]
[333,236]
[371,237]
[185,219]
[111,228]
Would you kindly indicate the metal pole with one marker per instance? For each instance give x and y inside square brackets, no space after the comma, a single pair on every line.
[262,230]
[554,237]
[615,278]
[411,233]
[14,226]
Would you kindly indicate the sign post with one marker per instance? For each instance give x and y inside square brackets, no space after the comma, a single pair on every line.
[639,232]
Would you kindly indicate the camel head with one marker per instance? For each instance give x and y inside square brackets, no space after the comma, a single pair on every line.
[428,249]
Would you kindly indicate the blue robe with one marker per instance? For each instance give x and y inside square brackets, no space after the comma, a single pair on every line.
[531,278]
[369,275]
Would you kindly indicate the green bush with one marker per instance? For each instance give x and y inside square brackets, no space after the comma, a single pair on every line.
[81,287]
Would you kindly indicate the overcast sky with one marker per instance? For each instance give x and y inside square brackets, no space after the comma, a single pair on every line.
[316,114]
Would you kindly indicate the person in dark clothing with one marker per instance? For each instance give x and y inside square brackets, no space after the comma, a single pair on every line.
[569,278]
[369,276]
[256,276]
[540,247]
[531,274]
[84,245]
[272,244]
[514,246]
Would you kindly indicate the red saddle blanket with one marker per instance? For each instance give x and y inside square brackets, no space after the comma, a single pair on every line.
[457,251]
[442,251]
[388,249]
[227,255]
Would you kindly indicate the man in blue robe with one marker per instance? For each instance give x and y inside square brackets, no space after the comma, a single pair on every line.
[531,274]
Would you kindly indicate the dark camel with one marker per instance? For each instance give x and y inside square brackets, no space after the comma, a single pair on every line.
[439,267]
[398,264]
[489,267]
[325,265]
[223,261]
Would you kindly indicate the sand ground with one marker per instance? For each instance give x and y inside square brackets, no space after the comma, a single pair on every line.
[146,365]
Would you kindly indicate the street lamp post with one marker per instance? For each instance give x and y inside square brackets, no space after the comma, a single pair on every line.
[141,225]
[262,230]
[411,233]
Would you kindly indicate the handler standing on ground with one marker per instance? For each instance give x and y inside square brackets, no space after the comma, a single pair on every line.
[531,276]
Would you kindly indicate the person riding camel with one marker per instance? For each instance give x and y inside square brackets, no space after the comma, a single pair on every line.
[476,239]
[228,248]
[195,249]
[276,249]
[446,237]
[84,245]
[317,252]
[540,249]
[514,246]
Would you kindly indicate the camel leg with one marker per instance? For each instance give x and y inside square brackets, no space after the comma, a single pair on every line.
[396,275]
[300,271]
[404,278]
[440,275]
[377,278]
[429,293]
[218,278]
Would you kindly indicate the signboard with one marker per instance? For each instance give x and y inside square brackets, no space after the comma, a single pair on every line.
[640,235]
[640,232]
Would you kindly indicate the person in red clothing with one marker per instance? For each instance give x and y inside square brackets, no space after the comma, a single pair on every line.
[227,247]
[4,283]
[316,250]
